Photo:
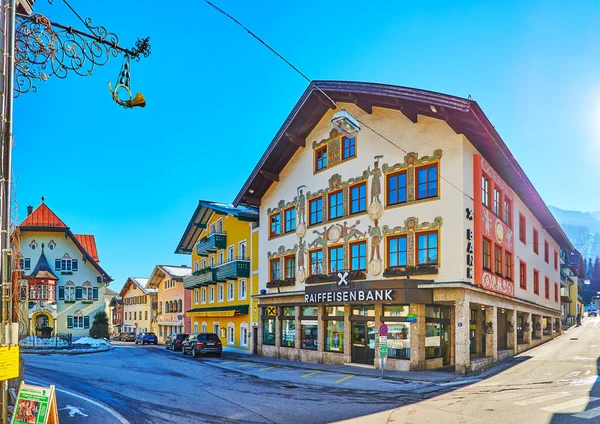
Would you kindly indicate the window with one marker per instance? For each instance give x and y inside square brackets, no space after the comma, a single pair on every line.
[216,328]
[316,262]
[78,322]
[212,261]
[135,315]
[231,253]
[211,294]
[288,327]
[349,148]
[203,294]
[507,212]
[522,275]
[70,291]
[508,265]
[556,260]
[213,228]
[396,188]
[221,292]
[242,289]
[336,259]
[25,264]
[556,292]
[203,263]
[42,291]
[160,306]
[334,335]
[244,334]
[547,287]
[146,315]
[195,296]
[268,331]
[358,256]
[231,290]
[275,225]
[316,211]
[536,245]
[290,220]
[87,291]
[196,266]
[498,259]
[290,267]
[487,254]
[204,327]
[309,331]
[221,257]
[427,248]
[485,191]
[536,281]
[427,181]
[522,229]
[497,202]
[358,198]
[66,264]
[195,327]
[220,226]
[275,269]
[397,251]
[230,334]
[321,159]
[546,252]
[336,205]
[242,251]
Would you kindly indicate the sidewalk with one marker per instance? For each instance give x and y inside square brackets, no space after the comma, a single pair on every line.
[421,376]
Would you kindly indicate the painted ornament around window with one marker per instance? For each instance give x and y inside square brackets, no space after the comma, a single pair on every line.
[375,208]
[301,271]
[334,233]
[51,244]
[301,212]
[375,264]
[33,244]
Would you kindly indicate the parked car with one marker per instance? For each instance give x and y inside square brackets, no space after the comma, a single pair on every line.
[201,344]
[128,337]
[593,312]
[148,338]
[174,341]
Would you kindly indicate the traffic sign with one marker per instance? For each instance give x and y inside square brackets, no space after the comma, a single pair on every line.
[383,350]
[383,330]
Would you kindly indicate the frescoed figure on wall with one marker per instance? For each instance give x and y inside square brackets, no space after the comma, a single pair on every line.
[301,205]
[375,233]
[376,182]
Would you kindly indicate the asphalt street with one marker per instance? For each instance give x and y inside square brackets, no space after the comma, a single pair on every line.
[553,383]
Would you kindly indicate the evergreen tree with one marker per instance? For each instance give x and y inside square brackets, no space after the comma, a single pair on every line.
[590,268]
[596,269]
[99,328]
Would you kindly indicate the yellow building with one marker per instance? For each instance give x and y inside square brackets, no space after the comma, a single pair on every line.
[223,243]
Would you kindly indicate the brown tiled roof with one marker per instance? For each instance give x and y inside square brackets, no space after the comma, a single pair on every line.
[42,216]
[89,244]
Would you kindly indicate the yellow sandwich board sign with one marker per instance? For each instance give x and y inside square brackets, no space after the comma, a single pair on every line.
[35,405]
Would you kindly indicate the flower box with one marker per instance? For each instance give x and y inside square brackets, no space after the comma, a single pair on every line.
[288,282]
[410,270]
[333,277]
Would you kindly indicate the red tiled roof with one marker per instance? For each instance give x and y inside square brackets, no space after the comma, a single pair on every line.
[42,216]
[89,244]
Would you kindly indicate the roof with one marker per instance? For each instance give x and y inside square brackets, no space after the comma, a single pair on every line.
[202,215]
[42,269]
[42,216]
[110,292]
[161,271]
[464,116]
[89,244]
[177,271]
[140,283]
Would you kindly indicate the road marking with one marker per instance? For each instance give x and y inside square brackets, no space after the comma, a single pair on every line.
[312,373]
[112,412]
[345,378]
[570,404]
[541,399]
[227,362]
[246,365]
[589,414]
[74,410]
[268,368]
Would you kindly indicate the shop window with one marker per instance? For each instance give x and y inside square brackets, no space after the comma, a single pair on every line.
[396,188]
[334,311]
[336,205]
[336,259]
[508,265]
[321,159]
[498,259]
[536,281]
[316,211]
[487,254]
[497,202]
[522,275]
[316,262]
[288,333]
[427,181]
[536,245]
[363,310]
[396,311]
[437,312]
[358,256]
[508,212]
[334,336]
[396,251]
[275,225]
[275,266]
[485,191]
[310,334]
[433,340]
[290,267]
[290,220]
[348,147]
[427,248]
[358,198]
[398,340]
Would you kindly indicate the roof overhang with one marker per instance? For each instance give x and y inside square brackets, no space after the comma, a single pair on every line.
[464,116]
[194,228]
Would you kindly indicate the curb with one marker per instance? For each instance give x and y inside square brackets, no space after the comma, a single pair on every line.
[61,352]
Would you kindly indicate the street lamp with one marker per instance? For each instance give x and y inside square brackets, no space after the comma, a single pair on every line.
[345,123]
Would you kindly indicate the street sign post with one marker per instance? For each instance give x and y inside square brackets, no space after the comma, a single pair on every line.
[383,330]
[383,349]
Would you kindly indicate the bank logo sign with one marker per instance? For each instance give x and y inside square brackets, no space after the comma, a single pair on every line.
[349,296]
[343,278]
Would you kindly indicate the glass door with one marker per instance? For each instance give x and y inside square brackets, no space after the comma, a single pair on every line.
[363,342]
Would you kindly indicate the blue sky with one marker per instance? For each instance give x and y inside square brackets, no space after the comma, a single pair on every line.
[133,177]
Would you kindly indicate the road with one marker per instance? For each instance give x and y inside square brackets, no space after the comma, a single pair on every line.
[553,383]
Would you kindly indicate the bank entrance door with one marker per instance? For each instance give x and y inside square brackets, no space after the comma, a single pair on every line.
[363,342]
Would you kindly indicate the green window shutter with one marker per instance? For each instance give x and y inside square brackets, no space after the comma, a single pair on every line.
[61,293]
[86,322]
[78,293]
[57,265]
[75,265]
[95,291]
[69,322]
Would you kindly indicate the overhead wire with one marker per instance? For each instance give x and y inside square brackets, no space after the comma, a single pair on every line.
[303,75]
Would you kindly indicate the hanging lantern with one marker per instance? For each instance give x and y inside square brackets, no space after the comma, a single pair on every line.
[345,123]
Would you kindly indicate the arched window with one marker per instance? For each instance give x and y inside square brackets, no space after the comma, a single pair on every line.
[196,327]
[230,334]
[87,291]
[180,306]
[244,334]
[70,291]
[204,327]
[167,307]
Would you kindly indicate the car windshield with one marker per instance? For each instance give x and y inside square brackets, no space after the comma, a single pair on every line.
[151,334]
[208,337]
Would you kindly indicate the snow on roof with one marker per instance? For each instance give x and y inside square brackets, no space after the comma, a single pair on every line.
[140,281]
[177,271]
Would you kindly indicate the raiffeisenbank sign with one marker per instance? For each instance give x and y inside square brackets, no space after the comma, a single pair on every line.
[349,296]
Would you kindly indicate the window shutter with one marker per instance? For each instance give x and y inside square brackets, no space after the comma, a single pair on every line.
[78,293]
[75,265]
[57,266]
[61,293]
[69,322]
[27,264]
[86,322]
[95,293]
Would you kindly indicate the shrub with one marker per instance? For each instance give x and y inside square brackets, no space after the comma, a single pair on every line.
[99,328]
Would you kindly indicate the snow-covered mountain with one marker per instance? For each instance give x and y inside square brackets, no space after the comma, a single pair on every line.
[582,228]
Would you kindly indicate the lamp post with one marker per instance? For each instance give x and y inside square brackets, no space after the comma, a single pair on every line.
[35,49]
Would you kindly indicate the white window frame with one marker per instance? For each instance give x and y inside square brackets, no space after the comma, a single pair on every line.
[212,261]
[243,285]
[196,296]
[204,327]
[196,266]
[244,334]
[220,226]
[231,334]
[196,327]
[221,257]
[203,263]
[87,291]
[221,292]
[203,294]
[231,253]
[211,294]
[42,291]
[213,228]
[216,328]
[231,290]
[242,249]
[70,291]
[78,321]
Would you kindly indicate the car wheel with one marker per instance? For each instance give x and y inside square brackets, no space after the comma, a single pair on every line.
[183,351]
[194,354]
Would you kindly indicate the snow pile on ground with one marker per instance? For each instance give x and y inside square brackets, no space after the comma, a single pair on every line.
[34,341]
[92,342]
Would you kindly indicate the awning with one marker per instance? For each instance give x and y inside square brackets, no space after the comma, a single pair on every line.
[220,311]
[566,299]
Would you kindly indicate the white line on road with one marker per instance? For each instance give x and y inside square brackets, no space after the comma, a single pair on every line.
[570,404]
[541,399]
[112,412]
[589,414]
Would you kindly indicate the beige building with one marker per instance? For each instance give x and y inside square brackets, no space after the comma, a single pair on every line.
[137,305]
[428,226]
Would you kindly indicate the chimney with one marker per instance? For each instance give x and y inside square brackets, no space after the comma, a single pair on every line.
[29,210]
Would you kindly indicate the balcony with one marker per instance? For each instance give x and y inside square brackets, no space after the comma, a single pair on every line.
[239,267]
[201,278]
[211,244]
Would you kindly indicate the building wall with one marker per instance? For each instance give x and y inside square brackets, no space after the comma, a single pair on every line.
[173,293]
[140,323]
[86,272]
